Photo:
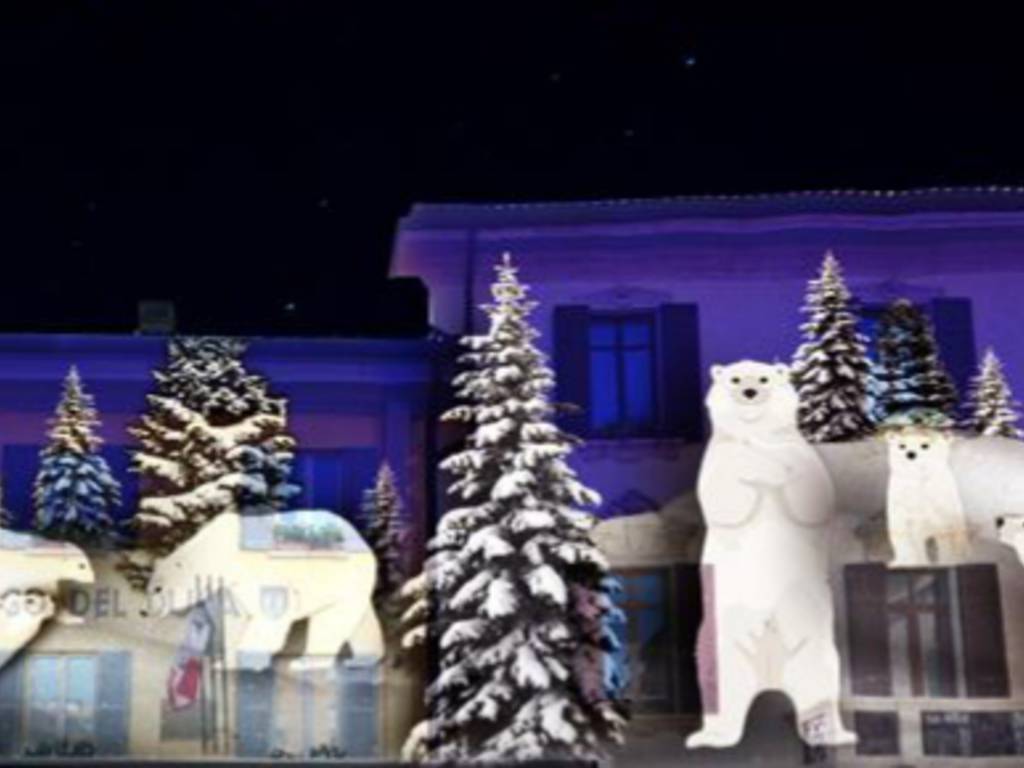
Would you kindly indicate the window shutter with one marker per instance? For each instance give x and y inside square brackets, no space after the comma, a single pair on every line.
[945,684]
[681,404]
[572,364]
[868,629]
[954,331]
[10,705]
[257,531]
[981,621]
[20,465]
[113,695]
[359,468]
[689,613]
[358,687]
[254,713]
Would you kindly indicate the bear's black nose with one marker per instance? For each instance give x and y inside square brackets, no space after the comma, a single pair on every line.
[750,394]
[1000,521]
[911,455]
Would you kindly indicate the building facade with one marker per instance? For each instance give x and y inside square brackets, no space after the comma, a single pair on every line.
[102,686]
[637,299]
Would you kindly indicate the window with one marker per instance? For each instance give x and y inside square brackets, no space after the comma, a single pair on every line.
[925,632]
[621,374]
[973,734]
[658,641]
[878,733]
[921,632]
[334,479]
[633,373]
[310,713]
[61,705]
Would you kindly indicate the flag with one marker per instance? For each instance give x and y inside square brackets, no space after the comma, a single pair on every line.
[185,680]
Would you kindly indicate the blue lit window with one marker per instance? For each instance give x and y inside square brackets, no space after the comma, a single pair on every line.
[622,374]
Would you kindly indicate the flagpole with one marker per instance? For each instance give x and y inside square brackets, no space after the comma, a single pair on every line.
[202,685]
[222,647]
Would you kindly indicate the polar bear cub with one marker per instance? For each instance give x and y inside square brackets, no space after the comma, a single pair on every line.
[924,513]
[767,500]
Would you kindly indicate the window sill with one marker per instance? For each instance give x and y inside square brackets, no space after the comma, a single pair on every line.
[626,448]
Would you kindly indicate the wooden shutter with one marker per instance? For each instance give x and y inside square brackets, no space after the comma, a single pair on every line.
[878,733]
[981,622]
[10,705]
[257,531]
[113,696]
[954,331]
[945,684]
[689,612]
[680,398]
[572,364]
[358,688]
[358,471]
[254,712]
[868,629]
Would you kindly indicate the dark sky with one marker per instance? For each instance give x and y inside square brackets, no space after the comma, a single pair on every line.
[241,156]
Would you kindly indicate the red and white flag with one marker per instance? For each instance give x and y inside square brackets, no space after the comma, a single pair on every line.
[185,681]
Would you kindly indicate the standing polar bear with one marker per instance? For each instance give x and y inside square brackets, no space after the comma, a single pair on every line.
[767,500]
[925,517]
[268,587]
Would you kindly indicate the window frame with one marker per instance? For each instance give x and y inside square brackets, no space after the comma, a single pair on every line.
[622,428]
[669,574]
[63,661]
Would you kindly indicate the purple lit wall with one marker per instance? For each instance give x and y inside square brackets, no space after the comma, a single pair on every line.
[351,403]
[737,268]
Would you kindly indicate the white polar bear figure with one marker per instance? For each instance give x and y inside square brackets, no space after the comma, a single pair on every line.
[31,570]
[924,514]
[270,586]
[767,501]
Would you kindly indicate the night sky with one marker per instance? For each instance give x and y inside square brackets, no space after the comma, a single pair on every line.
[250,159]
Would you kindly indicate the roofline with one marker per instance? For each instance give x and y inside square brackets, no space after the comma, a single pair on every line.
[285,346]
[985,199]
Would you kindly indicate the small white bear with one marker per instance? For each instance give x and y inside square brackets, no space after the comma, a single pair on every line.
[1010,530]
[925,516]
[767,500]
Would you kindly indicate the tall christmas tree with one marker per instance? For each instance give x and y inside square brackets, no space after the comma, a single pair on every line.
[992,411]
[382,512]
[213,440]
[831,370]
[75,493]
[514,590]
[913,386]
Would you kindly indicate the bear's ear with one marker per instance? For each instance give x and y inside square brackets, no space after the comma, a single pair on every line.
[717,371]
[782,369]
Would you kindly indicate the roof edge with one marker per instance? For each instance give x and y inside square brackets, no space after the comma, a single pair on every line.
[991,199]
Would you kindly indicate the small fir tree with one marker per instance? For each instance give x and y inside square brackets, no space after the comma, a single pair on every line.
[831,370]
[382,514]
[212,440]
[992,411]
[75,494]
[913,386]
[514,590]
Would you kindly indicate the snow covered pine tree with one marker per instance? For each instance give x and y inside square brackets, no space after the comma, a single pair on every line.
[382,513]
[992,411]
[913,386]
[514,591]
[213,440]
[75,494]
[831,370]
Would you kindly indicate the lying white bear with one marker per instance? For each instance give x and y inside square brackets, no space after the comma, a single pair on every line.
[269,589]
[31,570]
